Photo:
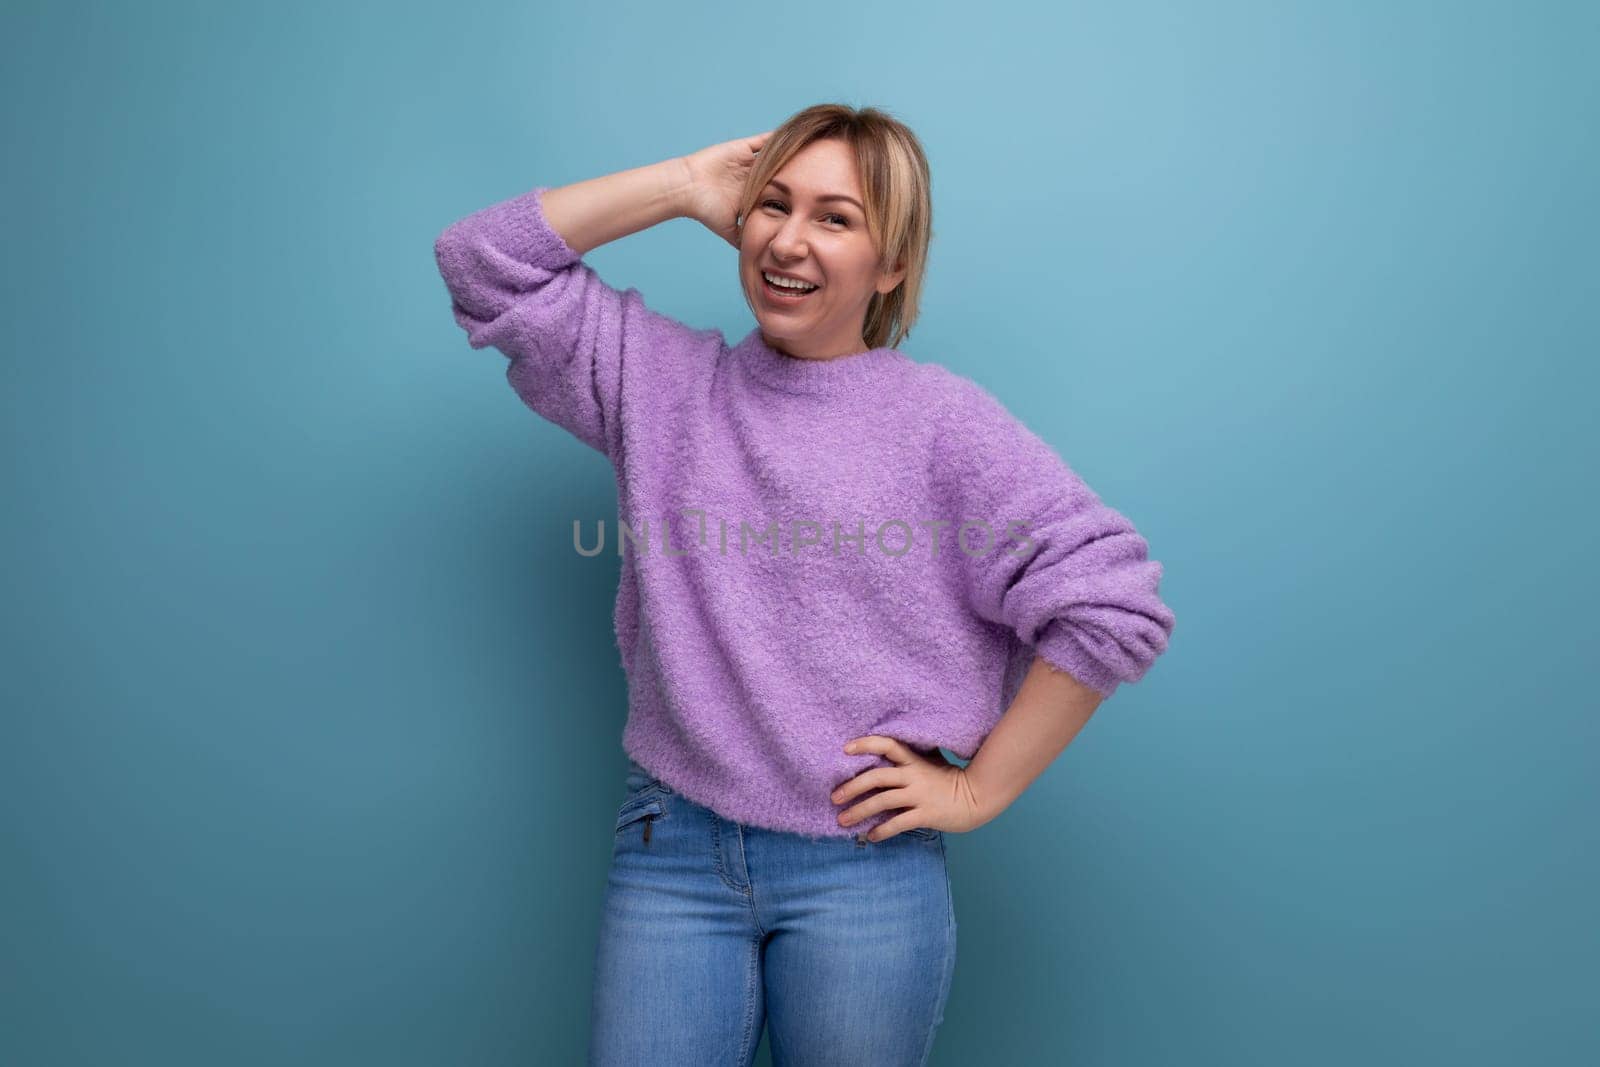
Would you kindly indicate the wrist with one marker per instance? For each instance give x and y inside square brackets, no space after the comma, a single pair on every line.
[678,182]
[987,799]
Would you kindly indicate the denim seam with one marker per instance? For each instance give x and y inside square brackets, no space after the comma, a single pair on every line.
[752,988]
[750,888]
[716,857]
[948,963]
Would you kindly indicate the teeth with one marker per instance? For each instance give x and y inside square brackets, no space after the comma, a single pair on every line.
[787,283]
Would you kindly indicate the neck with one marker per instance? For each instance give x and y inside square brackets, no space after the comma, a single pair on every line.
[807,348]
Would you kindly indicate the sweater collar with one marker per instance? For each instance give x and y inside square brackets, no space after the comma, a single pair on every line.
[815,377]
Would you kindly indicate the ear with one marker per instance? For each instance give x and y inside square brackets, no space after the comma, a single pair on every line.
[888,281]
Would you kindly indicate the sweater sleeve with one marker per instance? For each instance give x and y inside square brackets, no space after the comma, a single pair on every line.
[1067,575]
[514,283]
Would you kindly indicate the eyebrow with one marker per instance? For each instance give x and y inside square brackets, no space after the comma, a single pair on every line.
[784,189]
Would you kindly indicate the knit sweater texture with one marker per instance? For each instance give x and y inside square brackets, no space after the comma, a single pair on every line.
[811,550]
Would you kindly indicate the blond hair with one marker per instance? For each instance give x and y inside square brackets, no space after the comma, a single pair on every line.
[898,199]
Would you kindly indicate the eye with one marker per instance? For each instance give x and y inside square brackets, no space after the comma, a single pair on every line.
[779,205]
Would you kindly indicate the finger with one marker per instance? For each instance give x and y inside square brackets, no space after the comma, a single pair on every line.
[876,778]
[886,801]
[902,752]
[887,747]
[897,825]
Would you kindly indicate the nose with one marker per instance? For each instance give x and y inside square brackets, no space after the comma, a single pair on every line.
[788,243]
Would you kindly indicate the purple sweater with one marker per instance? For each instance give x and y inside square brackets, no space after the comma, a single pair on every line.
[812,550]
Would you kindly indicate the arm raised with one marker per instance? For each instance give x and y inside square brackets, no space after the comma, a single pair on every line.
[597,211]
[516,282]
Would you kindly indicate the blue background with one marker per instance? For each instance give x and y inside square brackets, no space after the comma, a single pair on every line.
[312,716]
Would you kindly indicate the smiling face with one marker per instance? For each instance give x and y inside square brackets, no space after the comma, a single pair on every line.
[809,225]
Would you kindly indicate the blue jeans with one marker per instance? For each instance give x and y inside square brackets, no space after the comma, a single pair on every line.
[843,948]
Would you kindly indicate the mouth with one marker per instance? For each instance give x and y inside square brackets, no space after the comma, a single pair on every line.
[784,296]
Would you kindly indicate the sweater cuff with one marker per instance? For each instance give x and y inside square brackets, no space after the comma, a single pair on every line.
[521,231]
[1064,652]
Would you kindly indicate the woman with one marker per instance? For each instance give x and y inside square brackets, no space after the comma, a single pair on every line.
[839,561]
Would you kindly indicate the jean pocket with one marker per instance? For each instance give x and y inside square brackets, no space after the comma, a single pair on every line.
[924,831]
[638,808]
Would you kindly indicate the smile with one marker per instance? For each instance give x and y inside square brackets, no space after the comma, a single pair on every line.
[786,294]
